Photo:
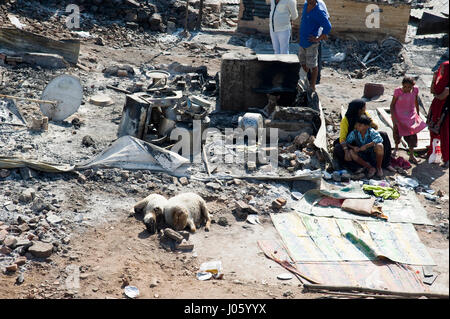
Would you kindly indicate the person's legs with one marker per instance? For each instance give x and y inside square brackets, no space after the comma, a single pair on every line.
[339,156]
[302,58]
[379,154]
[319,62]
[397,140]
[314,72]
[311,63]
[412,143]
[363,163]
[284,38]
[387,151]
[275,41]
[445,140]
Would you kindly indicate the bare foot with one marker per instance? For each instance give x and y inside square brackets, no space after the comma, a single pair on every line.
[391,169]
[371,172]
[379,172]
[413,160]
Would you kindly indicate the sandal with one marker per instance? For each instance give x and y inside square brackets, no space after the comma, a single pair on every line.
[414,160]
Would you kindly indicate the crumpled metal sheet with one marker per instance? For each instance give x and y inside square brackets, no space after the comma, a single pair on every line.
[127,152]
[10,114]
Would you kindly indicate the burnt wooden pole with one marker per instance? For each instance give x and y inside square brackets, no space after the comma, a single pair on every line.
[187,16]
[200,16]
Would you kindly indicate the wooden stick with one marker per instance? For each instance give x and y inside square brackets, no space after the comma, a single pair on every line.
[27,99]
[367,56]
[187,15]
[200,16]
[375,291]
[115,88]
[291,268]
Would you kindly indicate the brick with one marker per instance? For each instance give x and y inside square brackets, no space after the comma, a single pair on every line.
[185,246]
[21,261]
[41,250]
[170,233]
[12,268]
[372,90]
[5,250]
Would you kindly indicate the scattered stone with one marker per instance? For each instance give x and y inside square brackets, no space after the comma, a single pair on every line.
[53,219]
[24,242]
[24,227]
[215,186]
[88,141]
[223,221]
[184,181]
[185,234]
[170,233]
[279,203]
[76,123]
[154,283]
[21,261]
[12,268]
[10,241]
[185,246]
[3,234]
[301,140]
[41,250]
[4,173]
[5,250]
[39,205]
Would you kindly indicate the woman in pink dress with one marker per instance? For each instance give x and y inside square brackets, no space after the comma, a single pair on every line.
[405,116]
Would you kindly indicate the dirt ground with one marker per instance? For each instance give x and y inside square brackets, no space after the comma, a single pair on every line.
[118,250]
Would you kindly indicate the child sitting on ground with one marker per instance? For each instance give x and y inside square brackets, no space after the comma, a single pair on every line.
[405,116]
[366,146]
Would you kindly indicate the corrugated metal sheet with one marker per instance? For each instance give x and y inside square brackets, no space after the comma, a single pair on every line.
[323,239]
[369,274]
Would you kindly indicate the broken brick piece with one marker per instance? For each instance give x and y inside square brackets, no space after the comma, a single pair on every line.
[12,268]
[170,233]
[278,203]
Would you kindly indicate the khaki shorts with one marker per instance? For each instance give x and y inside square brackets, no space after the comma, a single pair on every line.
[309,56]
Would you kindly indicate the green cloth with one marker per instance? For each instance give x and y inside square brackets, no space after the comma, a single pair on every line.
[385,192]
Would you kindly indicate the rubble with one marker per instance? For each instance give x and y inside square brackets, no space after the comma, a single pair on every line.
[52,206]
[41,250]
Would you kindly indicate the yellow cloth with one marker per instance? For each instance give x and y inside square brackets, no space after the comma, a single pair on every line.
[344,128]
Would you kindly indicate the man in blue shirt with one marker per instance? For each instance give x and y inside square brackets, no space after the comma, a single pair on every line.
[366,147]
[314,19]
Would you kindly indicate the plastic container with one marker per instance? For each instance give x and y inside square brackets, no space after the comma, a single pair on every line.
[379,183]
[436,155]
[214,267]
